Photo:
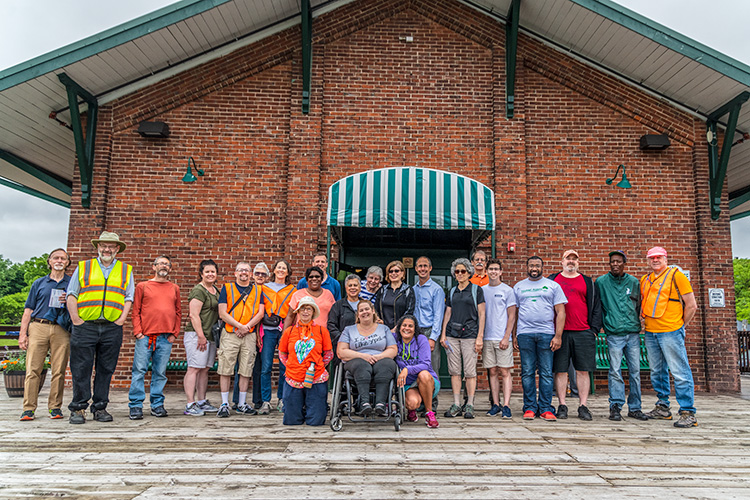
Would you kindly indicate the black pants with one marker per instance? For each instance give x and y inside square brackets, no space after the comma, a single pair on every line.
[93,345]
[382,372]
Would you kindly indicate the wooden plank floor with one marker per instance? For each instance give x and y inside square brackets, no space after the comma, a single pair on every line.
[257,457]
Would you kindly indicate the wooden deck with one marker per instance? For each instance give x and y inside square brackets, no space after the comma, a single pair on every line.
[257,457]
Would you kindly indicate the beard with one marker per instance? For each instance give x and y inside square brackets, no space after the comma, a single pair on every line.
[106,258]
[534,274]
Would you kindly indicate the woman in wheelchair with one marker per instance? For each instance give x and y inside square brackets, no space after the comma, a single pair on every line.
[367,349]
[416,376]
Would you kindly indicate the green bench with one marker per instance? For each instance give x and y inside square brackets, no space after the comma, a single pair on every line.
[180,365]
[602,357]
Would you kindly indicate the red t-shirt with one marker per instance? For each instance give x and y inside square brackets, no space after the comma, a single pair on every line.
[576,310]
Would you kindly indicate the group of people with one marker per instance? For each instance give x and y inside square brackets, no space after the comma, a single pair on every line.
[379,331]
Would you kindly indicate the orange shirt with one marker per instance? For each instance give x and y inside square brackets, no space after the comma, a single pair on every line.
[307,342]
[672,319]
[324,302]
[480,280]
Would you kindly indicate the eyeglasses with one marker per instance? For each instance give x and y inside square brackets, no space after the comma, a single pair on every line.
[395,270]
[261,274]
[314,277]
[243,271]
[461,271]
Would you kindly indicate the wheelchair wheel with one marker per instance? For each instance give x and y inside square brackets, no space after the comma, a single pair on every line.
[336,424]
[336,399]
[397,422]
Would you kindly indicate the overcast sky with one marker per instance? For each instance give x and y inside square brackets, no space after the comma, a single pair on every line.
[29,226]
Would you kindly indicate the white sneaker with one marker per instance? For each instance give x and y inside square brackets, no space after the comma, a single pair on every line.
[193,409]
[207,407]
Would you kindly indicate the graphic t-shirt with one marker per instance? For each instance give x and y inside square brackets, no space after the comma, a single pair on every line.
[536,305]
[373,344]
[497,300]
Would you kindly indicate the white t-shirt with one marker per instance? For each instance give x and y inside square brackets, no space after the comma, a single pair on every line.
[497,299]
[536,305]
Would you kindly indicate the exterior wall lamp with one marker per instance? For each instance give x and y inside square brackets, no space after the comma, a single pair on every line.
[154,129]
[189,177]
[624,184]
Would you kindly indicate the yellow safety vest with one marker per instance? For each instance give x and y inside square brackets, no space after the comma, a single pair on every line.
[102,297]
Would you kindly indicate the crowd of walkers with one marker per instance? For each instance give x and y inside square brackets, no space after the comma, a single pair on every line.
[380,328]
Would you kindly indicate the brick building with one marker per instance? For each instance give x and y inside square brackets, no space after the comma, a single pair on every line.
[394,84]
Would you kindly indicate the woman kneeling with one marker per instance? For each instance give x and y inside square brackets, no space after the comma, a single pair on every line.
[414,360]
[306,390]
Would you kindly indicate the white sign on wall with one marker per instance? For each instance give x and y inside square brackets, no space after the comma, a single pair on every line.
[716,297]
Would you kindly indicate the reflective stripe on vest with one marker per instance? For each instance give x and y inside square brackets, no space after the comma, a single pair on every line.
[279,301]
[655,294]
[102,297]
[244,312]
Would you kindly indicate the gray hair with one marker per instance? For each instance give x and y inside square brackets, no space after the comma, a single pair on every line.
[352,277]
[262,266]
[463,261]
[376,270]
[156,260]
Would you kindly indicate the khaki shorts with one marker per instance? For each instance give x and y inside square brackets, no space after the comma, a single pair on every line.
[462,349]
[493,356]
[234,348]
[195,357]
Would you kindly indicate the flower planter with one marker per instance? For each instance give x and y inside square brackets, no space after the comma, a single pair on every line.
[14,381]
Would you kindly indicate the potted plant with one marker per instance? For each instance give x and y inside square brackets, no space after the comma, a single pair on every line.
[14,373]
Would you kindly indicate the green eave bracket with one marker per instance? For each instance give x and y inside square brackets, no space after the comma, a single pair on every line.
[34,192]
[84,144]
[511,50]
[306,54]
[62,185]
[717,162]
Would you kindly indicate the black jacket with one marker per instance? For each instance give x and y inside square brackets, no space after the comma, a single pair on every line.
[404,303]
[340,316]
[593,303]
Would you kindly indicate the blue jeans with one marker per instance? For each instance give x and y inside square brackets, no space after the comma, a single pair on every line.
[630,346]
[270,341]
[305,406]
[159,356]
[536,356]
[666,352]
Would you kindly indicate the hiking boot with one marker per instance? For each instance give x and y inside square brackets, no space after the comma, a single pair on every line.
[548,415]
[159,411]
[102,415]
[562,412]
[614,413]
[687,419]
[637,414]
[412,416]
[506,412]
[584,413]
[431,420]
[78,417]
[381,410]
[136,413]
[246,410]
[265,408]
[494,410]
[453,412]
[223,411]
[55,413]
[469,411]
[27,415]
[193,410]
[529,415]
[207,407]
[660,412]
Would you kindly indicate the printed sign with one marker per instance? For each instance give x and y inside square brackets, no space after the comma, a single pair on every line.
[716,297]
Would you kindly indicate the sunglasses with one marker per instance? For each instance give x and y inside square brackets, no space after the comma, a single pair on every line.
[461,271]
[392,271]
[314,277]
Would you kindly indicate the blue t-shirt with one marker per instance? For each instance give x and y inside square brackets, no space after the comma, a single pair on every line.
[536,305]
[373,344]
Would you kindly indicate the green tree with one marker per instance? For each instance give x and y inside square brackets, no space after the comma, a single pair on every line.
[11,308]
[15,283]
[742,288]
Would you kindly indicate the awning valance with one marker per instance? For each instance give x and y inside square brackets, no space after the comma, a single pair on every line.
[411,197]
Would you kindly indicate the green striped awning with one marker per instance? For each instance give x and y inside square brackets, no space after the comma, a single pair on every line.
[411,197]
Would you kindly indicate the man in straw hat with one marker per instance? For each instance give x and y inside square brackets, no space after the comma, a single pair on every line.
[99,298]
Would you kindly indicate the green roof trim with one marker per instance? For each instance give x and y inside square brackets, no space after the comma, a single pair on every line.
[669,38]
[105,40]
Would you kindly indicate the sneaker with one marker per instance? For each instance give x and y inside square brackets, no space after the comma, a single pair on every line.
[159,411]
[687,419]
[660,412]
[365,409]
[562,412]
[223,411]
[529,415]
[193,410]
[280,406]
[453,411]
[469,411]
[78,417]
[637,414]
[102,415]
[506,412]
[136,414]
[207,407]
[246,410]
[548,415]
[381,410]
[494,410]
[431,420]
[55,413]
[584,413]
[234,406]
[412,416]
[614,413]
[265,408]
[27,415]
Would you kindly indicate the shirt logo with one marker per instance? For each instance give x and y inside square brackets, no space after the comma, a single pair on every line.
[627,291]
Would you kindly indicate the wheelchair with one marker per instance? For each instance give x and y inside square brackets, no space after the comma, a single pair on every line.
[345,396]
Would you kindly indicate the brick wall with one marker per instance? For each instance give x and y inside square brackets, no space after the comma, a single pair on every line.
[437,102]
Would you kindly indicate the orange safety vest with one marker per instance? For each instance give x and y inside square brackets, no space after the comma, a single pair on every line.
[278,302]
[247,308]
[655,293]
[102,297]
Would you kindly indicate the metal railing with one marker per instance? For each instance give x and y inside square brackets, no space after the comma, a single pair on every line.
[743,339]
